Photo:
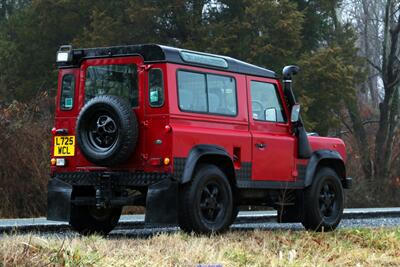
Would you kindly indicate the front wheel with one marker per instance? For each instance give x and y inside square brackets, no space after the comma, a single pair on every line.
[89,220]
[207,202]
[323,202]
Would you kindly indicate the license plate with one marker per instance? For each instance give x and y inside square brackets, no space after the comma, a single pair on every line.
[64,146]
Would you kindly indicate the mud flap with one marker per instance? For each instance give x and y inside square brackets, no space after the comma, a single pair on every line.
[58,200]
[162,204]
[292,214]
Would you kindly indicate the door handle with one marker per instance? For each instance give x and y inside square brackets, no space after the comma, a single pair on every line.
[261,146]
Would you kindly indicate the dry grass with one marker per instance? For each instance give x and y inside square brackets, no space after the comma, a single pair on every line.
[364,247]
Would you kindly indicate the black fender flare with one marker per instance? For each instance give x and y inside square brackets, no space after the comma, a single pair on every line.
[324,155]
[196,154]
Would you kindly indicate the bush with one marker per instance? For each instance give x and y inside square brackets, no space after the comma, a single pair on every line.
[24,156]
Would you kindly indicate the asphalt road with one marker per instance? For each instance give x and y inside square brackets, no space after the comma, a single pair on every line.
[133,225]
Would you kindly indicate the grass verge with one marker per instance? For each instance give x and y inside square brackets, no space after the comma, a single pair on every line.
[361,247]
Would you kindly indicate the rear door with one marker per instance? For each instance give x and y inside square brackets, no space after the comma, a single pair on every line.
[120,76]
[272,143]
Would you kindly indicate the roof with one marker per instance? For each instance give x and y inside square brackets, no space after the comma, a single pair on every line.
[152,53]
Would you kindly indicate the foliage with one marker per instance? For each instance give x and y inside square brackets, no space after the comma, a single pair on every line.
[329,81]
[24,157]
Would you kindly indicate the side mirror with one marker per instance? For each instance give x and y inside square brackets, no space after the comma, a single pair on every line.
[295,115]
[270,114]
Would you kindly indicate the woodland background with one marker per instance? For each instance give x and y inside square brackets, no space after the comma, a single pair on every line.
[349,85]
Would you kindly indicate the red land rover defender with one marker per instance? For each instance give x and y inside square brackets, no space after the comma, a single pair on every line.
[190,136]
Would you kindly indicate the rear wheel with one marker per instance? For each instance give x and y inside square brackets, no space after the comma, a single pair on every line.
[89,220]
[323,206]
[206,202]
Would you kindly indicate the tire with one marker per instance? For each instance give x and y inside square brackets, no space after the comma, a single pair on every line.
[206,202]
[323,202]
[107,130]
[88,220]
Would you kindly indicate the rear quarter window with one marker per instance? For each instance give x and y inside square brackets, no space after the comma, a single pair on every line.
[67,92]
[156,88]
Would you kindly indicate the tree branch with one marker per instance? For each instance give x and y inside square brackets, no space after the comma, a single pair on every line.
[374,65]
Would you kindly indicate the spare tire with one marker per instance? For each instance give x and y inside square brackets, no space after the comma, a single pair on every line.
[107,130]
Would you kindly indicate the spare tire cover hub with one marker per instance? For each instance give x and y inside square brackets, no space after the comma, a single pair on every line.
[103,134]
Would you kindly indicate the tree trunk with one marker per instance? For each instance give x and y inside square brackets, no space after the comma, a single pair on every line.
[388,122]
[361,138]
[372,79]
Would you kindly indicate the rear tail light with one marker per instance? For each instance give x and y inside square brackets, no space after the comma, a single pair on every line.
[59,162]
[155,161]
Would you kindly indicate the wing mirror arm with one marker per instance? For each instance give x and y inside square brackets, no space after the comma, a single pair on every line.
[295,118]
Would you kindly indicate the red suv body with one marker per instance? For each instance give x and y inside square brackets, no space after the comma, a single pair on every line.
[189,135]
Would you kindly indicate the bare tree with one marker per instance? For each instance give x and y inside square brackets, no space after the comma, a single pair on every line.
[390,73]
[367,19]
[377,23]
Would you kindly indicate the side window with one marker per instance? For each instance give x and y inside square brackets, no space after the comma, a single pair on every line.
[156,88]
[209,93]
[192,91]
[221,94]
[266,104]
[67,92]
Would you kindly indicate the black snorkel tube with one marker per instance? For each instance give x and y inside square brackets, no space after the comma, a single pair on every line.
[304,149]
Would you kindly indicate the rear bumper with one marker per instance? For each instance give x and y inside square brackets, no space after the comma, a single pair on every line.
[136,179]
[160,197]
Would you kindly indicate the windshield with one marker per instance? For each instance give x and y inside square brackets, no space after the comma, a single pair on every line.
[118,80]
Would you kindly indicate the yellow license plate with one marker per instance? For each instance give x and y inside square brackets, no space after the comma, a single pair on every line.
[64,146]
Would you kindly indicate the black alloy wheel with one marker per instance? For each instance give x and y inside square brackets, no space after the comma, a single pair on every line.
[212,202]
[327,200]
[206,204]
[324,202]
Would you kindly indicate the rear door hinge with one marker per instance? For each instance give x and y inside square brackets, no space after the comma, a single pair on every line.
[145,123]
[145,67]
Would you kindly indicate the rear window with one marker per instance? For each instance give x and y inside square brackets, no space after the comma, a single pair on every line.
[67,92]
[118,80]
